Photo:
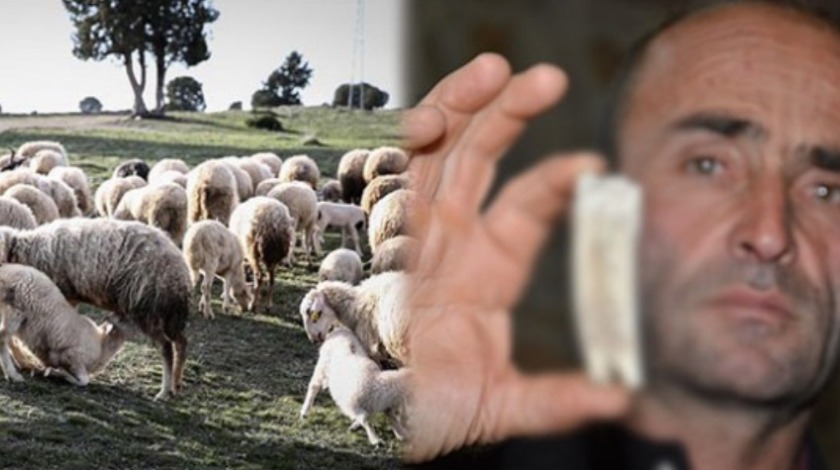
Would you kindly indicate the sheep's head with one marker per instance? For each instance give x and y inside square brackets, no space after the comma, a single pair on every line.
[318,316]
[244,295]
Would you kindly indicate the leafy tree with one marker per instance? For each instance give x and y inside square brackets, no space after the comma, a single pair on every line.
[185,94]
[169,30]
[90,105]
[283,84]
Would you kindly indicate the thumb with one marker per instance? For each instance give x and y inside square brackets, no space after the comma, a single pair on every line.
[530,405]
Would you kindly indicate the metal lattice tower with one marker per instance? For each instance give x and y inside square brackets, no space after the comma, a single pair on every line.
[357,66]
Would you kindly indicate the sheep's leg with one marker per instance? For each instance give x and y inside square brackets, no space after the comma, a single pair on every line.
[207,292]
[371,434]
[355,235]
[227,297]
[316,383]
[9,368]
[316,243]
[396,425]
[166,384]
[257,284]
[179,362]
[76,375]
[344,237]
[270,289]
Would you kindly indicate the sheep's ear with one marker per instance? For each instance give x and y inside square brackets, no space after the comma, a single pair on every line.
[107,328]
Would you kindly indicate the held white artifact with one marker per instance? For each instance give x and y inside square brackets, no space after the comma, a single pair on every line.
[607,221]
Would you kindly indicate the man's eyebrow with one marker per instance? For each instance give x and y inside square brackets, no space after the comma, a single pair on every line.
[825,158]
[726,126]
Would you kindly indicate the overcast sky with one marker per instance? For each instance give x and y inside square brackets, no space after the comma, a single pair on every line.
[249,40]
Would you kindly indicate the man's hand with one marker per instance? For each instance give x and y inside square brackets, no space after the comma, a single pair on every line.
[473,266]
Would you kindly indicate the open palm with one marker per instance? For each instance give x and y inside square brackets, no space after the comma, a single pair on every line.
[474,265]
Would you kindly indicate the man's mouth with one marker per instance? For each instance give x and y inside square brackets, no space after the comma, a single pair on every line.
[768,306]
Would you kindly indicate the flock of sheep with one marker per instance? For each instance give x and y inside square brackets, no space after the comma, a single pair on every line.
[138,245]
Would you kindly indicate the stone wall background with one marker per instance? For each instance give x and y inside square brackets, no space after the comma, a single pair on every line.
[588,39]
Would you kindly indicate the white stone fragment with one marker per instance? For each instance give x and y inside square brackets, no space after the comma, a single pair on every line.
[607,218]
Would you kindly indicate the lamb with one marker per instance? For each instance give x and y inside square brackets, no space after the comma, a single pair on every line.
[16,215]
[269,159]
[128,268]
[211,192]
[28,150]
[385,161]
[45,160]
[244,185]
[357,384]
[391,217]
[211,249]
[167,164]
[131,167]
[395,254]
[373,310]
[160,205]
[342,265]
[351,175]
[265,232]
[108,195]
[331,191]
[302,203]
[42,206]
[381,187]
[77,180]
[300,168]
[347,216]
[67,343]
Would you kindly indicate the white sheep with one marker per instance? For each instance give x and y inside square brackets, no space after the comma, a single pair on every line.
[244,185]
[256,170]
[45,160]
[41,205]
[68,344]
[330,191]
[300,168]
[165,165]
[127,268]
[108,195]
[357,384]
[349,217]
[269,159]
[373,310]
[381,187]
[391,217]
[211,249]
[385,161]
[60,193]
[265,232]
[341,265]
[170,176]
[351,175]
[161,205]
[16,215]
[266,186]
[77,180]
[302,203]
[211,192]
[29,149]
[395,254]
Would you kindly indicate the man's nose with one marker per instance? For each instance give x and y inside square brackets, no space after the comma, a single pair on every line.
[764,231]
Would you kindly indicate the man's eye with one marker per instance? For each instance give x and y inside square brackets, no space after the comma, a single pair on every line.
[827,193]
[705,166]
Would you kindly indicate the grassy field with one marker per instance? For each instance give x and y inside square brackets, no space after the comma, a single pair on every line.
[246,375]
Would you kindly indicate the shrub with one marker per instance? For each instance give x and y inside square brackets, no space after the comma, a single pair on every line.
[90,105]
[269,123]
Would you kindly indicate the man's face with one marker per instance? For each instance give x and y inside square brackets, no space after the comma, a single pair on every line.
[733,130]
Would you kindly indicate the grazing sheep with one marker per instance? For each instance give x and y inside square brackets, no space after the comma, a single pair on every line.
[128,268]
[211,249]
[60,193]
[266,186]
[108,195]
[373,310]
[170,176]
[347,216]
[269,159]
[351,175]
[67,343]
[212,192]
[135,167]
[167,164]
[341,265]
[28,150]
[302,203]
[256,170]
[41,205]
[45,160]
[16,215]
[391,217]
[385,161]
[244,185]
[159,205]
[357,384]
[300,168]
[381,187]
[395,254]
[331,191]
[77,180]
[265,232]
